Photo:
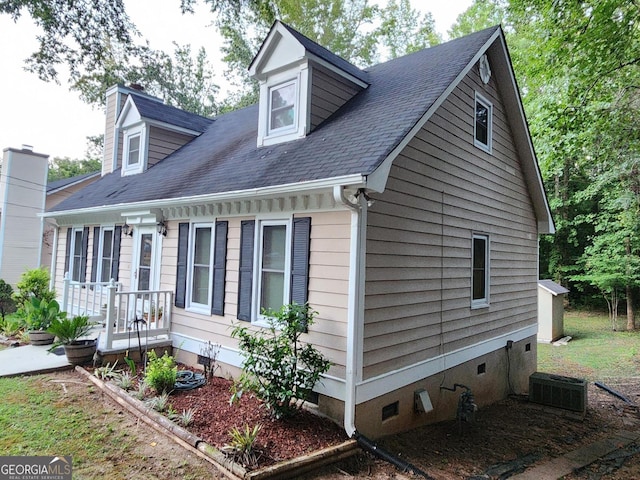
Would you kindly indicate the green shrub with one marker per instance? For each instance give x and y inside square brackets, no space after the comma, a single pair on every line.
[33,283]
[161,372]
[40,313]
[11,325]
[7,303]
[277,366]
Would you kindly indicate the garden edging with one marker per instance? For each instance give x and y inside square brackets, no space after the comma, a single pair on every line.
[201,448]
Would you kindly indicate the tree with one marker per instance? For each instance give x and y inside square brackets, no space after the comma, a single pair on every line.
[402,31]
[352,29]
[74,34]
[181,80]
[60,168]
[577,67]
[480,15]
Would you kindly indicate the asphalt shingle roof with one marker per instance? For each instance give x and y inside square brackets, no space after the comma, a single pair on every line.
[327,55]
[63,182]
[354,140]
[155,110]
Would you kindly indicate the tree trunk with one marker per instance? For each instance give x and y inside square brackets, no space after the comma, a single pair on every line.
[631,321]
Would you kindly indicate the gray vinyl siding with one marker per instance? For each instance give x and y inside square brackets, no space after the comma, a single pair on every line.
[440,191]
[328,93]
[164,142]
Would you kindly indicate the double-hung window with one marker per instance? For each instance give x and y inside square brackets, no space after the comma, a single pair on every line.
[133,150]
[480,271]
[201,267]
[75,261]
[105,257]
[282,107]
[106,254]
[274,265]
[483,129]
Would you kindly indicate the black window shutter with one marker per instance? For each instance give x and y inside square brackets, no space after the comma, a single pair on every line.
[83,258]
[181,273]
[300,260]
[219,268]
[115,260]
[94,255]
[67,253]
[245,280]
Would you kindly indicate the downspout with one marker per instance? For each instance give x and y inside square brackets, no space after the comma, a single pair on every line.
[355,323]
[54,256]
[355,316]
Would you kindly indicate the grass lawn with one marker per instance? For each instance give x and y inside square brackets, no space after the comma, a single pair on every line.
[44,415]
[595,352]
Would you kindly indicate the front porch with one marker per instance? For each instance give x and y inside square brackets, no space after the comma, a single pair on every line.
[125,321]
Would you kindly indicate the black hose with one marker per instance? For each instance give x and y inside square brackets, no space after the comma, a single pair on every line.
[403,466]
[188,380]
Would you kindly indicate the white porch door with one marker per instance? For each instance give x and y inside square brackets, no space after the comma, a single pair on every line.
[146,266]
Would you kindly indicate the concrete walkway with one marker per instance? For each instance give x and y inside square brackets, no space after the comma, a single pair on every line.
[559,467]
[31,359]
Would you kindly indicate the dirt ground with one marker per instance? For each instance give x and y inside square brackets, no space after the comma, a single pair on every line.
[503,440]
[508,437]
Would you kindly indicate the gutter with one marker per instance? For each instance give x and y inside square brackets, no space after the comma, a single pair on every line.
[236,195]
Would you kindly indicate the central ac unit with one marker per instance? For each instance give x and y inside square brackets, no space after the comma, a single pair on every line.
[558,391]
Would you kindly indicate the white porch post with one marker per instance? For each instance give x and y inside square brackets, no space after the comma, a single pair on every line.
[110,316]
[65,291]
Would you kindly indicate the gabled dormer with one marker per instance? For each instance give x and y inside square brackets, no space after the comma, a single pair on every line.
[301,84]
[141,130]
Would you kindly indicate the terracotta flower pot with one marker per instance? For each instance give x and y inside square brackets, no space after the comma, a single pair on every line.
[80,352]
[40,337]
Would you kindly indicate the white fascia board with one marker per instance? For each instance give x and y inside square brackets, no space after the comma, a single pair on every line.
[354,181]
[522,136]
[378,179]
[128,105]
[339,71]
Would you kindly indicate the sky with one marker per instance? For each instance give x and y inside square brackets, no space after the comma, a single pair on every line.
[54,121]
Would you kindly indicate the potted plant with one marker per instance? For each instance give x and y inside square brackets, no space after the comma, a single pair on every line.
[69,333]
[153,314]
[39,313]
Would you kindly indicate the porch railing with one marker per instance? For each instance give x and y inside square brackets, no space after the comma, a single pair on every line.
[144,312]
[85,298]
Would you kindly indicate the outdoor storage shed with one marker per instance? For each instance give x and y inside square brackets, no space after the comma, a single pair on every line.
[550,310]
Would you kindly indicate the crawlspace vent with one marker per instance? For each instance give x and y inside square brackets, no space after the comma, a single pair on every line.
[558,391]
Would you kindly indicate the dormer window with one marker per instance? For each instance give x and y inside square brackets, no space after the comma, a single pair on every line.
[282,106]
[133,150]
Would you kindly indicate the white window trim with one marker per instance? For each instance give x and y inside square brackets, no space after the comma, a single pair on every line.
[259,318]
[272,132]
[302,77]
[481,302]
[190,305]
[109,228]
[479,99]
[139,167]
